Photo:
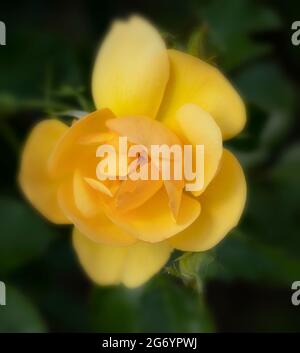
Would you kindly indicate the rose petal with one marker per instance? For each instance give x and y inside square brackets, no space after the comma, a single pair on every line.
[222,206]
[153,221]
[194,81]
[199,128]
[69,153]
[132,265]
[98,228]
[35,181]
[131,69]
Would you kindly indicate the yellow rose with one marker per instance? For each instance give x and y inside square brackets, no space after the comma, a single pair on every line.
[126,230]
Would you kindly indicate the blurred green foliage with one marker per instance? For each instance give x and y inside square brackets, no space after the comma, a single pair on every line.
[242,284]
[160,306]
[19,314]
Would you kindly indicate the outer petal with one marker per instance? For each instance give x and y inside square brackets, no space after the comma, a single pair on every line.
[199,128]
[69,150]
[153,221]
[131,69]
[132,265]
[194,81]
[97,227]
[222,206]
[38,186]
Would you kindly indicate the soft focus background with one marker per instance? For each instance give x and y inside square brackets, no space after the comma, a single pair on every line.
[244,284]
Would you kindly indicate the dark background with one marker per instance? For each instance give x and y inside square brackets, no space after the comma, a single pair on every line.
[244,284]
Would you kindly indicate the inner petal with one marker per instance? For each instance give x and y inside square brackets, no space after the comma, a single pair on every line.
[86,201]
[143,130]
[134,193]
[148,132]
[108,188]
[96,138]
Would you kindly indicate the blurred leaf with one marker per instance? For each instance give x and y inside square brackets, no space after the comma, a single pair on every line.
[114,309]
[267,246]
[273,212]
[231,29]
[66,309]
[160,306]
[67,91]
[243,306]
[241,257]
[19,314]
[24,235]
[247,258]
[50,66]
[168,306]
[54,283]
[287,171]
[11,104]
[265,85]
[49,53]
[271,104]
[8,134]
[197,41]
[73,113]
[192,268]
[253,158]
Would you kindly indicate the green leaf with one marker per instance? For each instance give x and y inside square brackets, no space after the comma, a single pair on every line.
[114,309]
[287,171]
[231,30]
[168,306]
[19,314]
[162,305]
[241,256]
[11,104]
[271,105]
[73,113]
[272,215]
[24,234]
[266,247]
[197,42]
[192,268]
[265,85]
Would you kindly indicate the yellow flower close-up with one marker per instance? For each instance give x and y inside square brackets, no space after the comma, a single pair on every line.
[125,230]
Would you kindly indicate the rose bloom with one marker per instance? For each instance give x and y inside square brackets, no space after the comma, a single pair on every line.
[125,230]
